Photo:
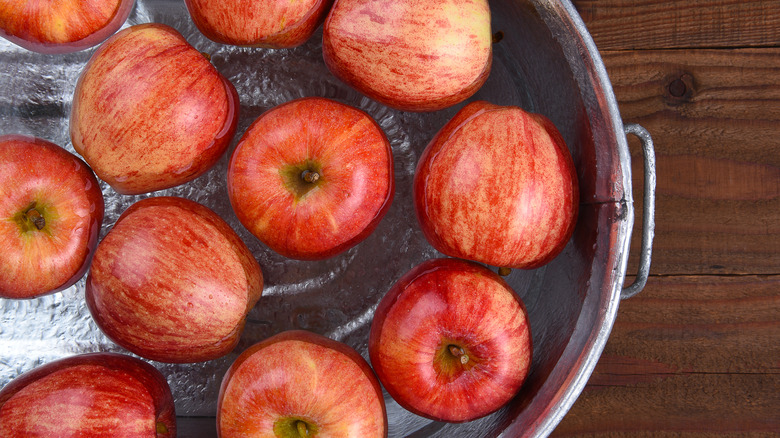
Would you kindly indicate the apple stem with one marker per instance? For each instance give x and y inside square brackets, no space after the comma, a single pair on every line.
[310,176]
[504,271]
[162,429]
[35,217]
[459,353]
[303,431]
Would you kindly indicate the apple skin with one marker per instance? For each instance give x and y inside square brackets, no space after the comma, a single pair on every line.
[274,24]
[61,26]
[443,303]
[497,185]
[413,55]
[89,395]
[150,112]
[300,376]
[39,176]
[309,221]
[172,282]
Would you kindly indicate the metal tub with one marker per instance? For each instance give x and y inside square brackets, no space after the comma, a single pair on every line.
[546,62]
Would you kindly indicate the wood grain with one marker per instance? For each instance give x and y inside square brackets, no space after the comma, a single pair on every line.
[689,356]
[715,120]
[646,24]
[697,353]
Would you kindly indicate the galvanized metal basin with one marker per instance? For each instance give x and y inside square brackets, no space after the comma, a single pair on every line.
[546,63]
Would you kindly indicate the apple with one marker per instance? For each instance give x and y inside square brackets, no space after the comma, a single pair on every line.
[311,178]
[451,341]
[51,210]
[61,26]
[413,55]
[89,395]
[150,112]
[271,23]
[299,384]
[172,282]
[497,185]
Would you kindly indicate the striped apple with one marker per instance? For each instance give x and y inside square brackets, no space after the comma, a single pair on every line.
[172,282]
[413,55]
[150,112]
[312,178]
[89,395]
[497,185]
[51,212]
[299,384]
[273,24]
[61,26]
[451,341]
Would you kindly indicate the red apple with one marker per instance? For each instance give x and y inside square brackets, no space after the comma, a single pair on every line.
[173,282]
[311,178]
[298,384]
[497,185]
[270,23]
[150,112]
[51,211]
[90,396]
[450,341]
[414,55]
[61,26]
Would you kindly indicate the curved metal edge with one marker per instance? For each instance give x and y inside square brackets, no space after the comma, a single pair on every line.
[648,214]
[579,379]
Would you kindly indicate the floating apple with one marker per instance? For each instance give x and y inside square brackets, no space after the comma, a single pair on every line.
[311,178]
[150,112]
[414,55]
[298,384]
[172,282]
[450,341]
[51,212]
[90,395]
[270,23]
[497,185]
[61,26]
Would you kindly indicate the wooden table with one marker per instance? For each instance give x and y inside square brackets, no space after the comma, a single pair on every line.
[697,353]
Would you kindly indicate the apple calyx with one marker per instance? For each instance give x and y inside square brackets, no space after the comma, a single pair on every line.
[310,176]
[294,427]
[301,178]
[35,217]
[459,353]
[452,360]
[31,218]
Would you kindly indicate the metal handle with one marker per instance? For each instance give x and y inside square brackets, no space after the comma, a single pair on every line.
[648,216]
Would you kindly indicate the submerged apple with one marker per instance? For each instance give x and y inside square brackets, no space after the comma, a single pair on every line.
[150,112]
[312,178]
[299,384]
[269,23]
[90,395]
[172,282]
[451,341]
[61,26]
[415,55]
[497,185]
[51,212]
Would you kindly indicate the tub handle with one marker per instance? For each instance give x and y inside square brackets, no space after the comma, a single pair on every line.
[648,216]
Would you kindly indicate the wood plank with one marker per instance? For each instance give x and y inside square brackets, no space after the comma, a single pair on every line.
[631,24]
[689,356]
[715,120]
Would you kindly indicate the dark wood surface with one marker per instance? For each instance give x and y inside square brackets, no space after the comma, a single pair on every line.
[697,353]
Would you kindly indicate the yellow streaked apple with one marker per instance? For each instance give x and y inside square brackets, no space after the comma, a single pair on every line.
[52,212]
